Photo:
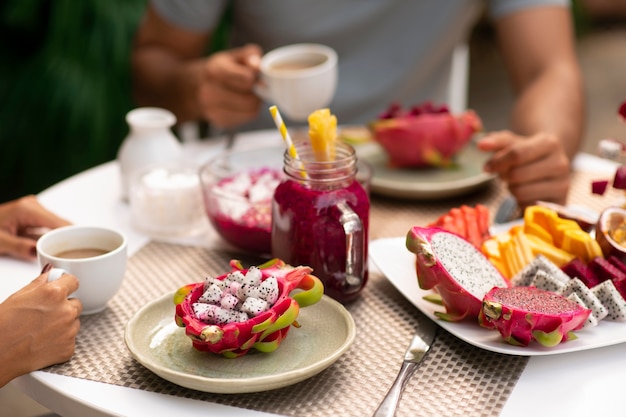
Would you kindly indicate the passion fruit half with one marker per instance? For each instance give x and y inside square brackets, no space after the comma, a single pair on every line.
[611,232]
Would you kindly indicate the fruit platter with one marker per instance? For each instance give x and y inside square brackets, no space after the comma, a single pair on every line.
[552,282]
[493,288]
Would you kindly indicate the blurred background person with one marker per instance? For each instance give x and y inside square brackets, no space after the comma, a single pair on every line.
[66,86]
[393,51]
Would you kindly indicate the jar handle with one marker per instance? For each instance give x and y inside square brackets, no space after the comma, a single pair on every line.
[355,244]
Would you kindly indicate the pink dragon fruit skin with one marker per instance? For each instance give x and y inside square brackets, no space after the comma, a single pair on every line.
[524,314]
[622,111]
[427,140]
[455,269]
[263,332]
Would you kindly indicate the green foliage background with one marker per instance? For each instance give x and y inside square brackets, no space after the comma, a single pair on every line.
[65,87]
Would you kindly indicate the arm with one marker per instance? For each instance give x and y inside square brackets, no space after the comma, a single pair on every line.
[538,50]
[547,118]
[170,71]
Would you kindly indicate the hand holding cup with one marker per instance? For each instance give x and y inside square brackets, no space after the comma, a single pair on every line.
[299,78]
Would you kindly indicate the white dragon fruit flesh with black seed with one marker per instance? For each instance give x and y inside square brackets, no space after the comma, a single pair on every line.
[592,321]
[524,314]
[455,269]
[539,263]
[246,309]
[586,295]
[611,299]
[604,298]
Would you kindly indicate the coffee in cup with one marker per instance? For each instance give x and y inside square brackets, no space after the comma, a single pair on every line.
[95,255]
[80,253]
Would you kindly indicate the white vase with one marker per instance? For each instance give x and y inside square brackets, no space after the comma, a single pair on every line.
[150,141]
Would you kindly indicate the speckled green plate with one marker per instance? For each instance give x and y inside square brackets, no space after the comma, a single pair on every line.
[153,339]
[465,176]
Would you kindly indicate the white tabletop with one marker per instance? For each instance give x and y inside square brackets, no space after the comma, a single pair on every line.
[574,384]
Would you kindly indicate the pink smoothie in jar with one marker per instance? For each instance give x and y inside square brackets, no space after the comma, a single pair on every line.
[307,229]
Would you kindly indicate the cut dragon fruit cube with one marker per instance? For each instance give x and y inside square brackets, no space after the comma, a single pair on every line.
[604,269]
[211,295]
[617,263]
[620,284]
[229,301]
[619,181]
[254,306]
[576,268]
[599,187]
[253,276]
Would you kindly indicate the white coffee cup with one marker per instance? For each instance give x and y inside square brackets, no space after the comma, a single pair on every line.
[95,255]
[299,78]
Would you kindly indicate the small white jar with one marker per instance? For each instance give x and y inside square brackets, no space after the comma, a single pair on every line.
[149,141]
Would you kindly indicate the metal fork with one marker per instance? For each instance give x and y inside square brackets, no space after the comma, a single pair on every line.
[231,135]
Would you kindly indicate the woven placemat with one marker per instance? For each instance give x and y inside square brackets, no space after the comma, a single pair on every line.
[455,379]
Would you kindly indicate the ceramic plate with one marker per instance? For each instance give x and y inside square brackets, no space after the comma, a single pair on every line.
[157,343]
[397,264]
[426,184]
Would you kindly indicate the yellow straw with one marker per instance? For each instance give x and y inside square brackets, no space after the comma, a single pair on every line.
[280,124]
[278,120]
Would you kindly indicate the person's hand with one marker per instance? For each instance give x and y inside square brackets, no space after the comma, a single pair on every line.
[39,325]
[19,220]
[227,79]
[534,167]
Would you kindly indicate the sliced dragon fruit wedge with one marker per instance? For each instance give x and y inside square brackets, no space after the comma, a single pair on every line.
[524,314]
[592,321]
[540,263]
[587,296]
[610,297]
[455,269]
[545,281]
[246,309]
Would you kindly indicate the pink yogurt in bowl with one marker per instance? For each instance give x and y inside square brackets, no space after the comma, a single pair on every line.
[237,188]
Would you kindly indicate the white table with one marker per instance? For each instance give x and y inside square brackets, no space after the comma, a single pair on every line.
[576,384]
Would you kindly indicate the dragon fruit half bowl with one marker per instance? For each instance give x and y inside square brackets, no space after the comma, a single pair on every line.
[247,308]
[425,136]
[237,190]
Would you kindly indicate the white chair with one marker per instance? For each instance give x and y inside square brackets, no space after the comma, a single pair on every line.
[458,87]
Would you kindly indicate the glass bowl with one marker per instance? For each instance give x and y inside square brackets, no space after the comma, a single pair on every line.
[237,189]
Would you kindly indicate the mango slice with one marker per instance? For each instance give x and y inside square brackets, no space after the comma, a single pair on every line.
[543,232]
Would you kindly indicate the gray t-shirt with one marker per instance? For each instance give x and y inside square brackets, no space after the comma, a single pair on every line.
[389,50]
